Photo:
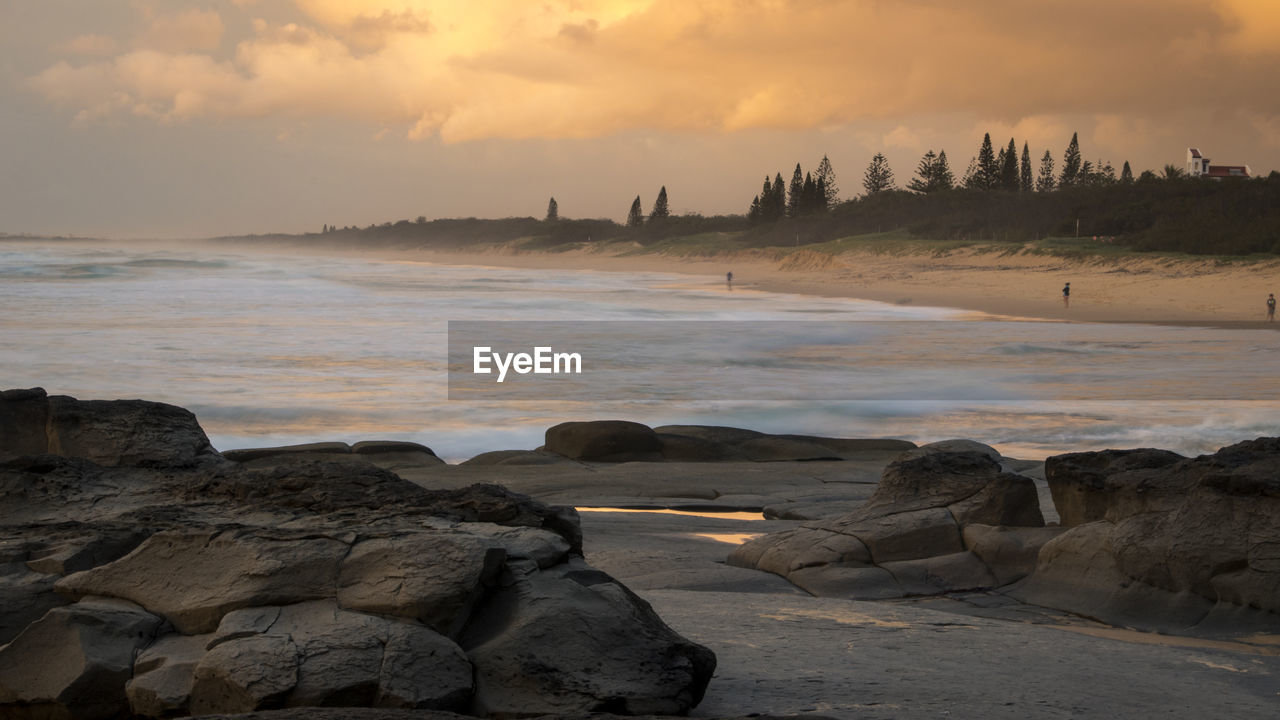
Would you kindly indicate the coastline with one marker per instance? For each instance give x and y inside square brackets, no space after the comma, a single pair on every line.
[1025,286]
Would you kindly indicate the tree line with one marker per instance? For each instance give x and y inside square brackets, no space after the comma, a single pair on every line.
[1001,196]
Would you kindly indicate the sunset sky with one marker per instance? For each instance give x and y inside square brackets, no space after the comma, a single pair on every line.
[177,118]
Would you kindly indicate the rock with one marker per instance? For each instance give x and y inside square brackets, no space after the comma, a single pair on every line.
[932,478]
[316,654]
[74,661]
[1010,552]
[544,646]
[954,446]
[245,674]
[772,448]
[391,447]
[1178,544]
[846,447]
[192,579]
[316,448]
[24,417]
[164,674]
[907,538]
[516,457]
[432,577]
[711,433]
[940,573]
[1077,480]
[25,597]
[682,448]
[126,433]
[906,535]
[714,442]
[604,441]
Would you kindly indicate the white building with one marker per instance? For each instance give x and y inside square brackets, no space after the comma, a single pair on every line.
[1198,166]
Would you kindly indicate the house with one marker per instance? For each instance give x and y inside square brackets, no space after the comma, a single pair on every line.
[1198,166]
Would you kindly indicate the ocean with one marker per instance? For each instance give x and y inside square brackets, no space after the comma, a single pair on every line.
[269,347]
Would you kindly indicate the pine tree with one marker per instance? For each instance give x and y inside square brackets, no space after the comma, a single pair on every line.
[766,201]
[1045,181]
[988,175]
[795,192]
[942,177]
[971,179]
[1071,163]
[1009,169]
[753,214]
[809,200]
[553,211]
[779,198]
[879,177]
[1024,174]
[660,210]
[923,181]
[635,218]
[1126,174]
[822,203]
[826,177]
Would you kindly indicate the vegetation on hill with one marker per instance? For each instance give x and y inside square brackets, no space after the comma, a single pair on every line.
[1000,198]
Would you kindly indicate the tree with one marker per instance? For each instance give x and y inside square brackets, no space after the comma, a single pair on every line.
[1173,172]
[923,181]
[942,177]
[988,173]
[826,177]
[778,200]
[1126,174]
[635,218]
[795,192]
[553,211]
[1009,168]
[970,178]
[1024,175]
[660,210]
[1071,163]
[1046,181]
[879,176]
[753,214]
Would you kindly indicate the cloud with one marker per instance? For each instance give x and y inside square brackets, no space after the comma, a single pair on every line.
[179,32]
[89,45]
[590,68]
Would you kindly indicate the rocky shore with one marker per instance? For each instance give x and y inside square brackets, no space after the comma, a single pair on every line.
[144,573]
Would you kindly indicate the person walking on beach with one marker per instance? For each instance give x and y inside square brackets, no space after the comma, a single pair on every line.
[1066,295]
[728,279]
[1271,307]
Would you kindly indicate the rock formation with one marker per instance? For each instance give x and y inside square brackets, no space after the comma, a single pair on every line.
[1163,542]
[141,572]
[941,520]
[623,441]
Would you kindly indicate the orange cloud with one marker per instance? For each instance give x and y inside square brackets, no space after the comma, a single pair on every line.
[586,68]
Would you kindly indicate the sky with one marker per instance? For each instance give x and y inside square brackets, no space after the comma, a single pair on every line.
[187,118]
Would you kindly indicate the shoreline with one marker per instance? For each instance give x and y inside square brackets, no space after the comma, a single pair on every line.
[995,286]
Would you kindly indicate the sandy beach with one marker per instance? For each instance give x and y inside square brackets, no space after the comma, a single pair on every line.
[1008,284]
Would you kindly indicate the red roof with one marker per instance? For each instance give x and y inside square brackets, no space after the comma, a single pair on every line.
[1194,152]
[1227,171]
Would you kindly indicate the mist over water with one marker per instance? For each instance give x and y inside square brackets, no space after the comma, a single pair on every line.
[271,348]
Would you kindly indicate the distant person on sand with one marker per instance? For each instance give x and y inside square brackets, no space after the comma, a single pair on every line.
[728,279]
[1066,295]
[1271,307]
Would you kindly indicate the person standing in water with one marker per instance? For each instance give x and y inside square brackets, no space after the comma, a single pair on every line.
[1271,307]
[1066,295]
[728,279]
